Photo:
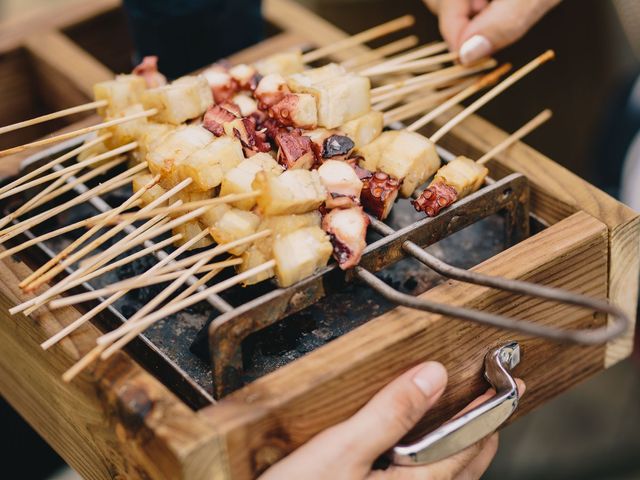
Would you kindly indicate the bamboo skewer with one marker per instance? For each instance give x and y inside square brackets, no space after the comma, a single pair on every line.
[360,38]
[161,276]
[52,191]
[482,83]
[116,296]
[437,82]
[76,133]
[113,298]
[418,106]
[174,307]
[49,235]
[494,92]
[93,173]
[418,53]
[130,324]
[136,282]
[77,277]
[134,238]
[74,168]
[112,184]
[516,136]
[367,58]
[50,270]
[209,202]
[433,78]
[54,162]
[414,66]
[54,115]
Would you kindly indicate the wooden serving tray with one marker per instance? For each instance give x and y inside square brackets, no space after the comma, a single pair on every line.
[119,421]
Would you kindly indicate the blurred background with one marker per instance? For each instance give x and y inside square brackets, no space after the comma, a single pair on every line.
[593,431]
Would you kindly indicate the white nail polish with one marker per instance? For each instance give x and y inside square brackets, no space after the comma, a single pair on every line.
[474,49]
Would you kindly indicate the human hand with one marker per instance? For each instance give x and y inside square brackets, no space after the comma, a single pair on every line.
[347,450]
[478,28]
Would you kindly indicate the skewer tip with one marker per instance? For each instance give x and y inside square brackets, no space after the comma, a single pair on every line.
[547,56]
[494,76]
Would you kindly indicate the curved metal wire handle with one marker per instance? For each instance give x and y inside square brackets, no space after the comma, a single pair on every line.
[584,337]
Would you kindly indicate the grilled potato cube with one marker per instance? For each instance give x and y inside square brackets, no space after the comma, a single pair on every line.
[295,191]
[190,230]
[182,100]
[240,178]
[233,225]
[122,92]
[300,253]
[262,250]
[341,99]
[173,149]
[251,258]
[208,165]
[142,179]
[212,215]
[129,131]
[284,63]
[300,82]
[407,156]
[151,135]
[463,174]
[246,103]
[364,129]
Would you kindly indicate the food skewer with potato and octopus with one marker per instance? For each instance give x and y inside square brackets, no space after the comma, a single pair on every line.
[276,163]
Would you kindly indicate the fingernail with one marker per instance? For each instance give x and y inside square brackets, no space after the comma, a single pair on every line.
[474,49]
[431,378]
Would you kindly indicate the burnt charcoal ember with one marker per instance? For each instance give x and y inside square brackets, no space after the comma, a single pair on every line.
[337,146]
[379,193]
[438,196]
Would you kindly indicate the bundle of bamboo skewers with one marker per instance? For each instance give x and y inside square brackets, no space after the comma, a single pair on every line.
[276,163]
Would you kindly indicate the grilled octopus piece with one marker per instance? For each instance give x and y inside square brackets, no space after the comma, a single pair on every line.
[379,192]
[217,115]
[148,69]
[342,184]
[253,140]
[223,85]
[438,196]
[271,90]
[295,150]
[347,230]
[245,76]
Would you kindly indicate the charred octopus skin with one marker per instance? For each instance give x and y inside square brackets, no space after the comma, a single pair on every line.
[439,195]
[347,229]
[379,192]
[337,146]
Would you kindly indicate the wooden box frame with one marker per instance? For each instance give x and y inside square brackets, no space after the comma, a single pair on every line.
[118,421]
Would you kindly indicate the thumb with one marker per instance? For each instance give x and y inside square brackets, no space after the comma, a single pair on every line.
[392,412]
[500,24]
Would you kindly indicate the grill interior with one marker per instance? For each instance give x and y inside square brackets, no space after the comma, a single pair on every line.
[279,326]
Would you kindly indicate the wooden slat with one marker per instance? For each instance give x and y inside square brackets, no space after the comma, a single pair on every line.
[116,420]
[14,30]
[66,73]
[279,412]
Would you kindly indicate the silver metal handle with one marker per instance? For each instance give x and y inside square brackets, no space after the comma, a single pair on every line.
[462,432]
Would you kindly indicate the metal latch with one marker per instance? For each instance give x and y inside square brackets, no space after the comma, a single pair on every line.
[462,432]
